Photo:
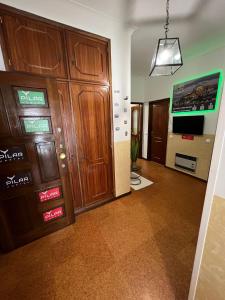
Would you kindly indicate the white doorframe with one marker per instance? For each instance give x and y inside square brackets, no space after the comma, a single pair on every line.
[210,191]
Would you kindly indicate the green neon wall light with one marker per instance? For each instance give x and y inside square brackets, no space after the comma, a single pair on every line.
[218,94]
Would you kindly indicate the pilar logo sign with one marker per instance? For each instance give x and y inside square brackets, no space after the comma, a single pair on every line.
[25,95]
[31,97]
[16,180]
[11,154]
[53,193]
[53,214]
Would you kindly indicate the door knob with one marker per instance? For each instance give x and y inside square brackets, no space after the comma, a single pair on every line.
[62,156]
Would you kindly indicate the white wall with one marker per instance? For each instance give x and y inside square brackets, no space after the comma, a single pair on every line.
[215,187]
[137,88]
[156,88]
[160,87]
[79,16]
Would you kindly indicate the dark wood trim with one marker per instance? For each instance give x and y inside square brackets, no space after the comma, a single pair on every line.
[160,100]
[190,175]
[95,205]
[5,53]
[150,123]
[149,131]
[123,195]
[132,102]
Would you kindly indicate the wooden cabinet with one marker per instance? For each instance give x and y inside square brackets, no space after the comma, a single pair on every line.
[34,46]
[91,107]
[87,57]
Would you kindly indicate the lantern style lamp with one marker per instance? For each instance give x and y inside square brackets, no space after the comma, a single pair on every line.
[167,58]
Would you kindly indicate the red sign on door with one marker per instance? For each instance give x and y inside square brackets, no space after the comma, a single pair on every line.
[49,194]
[53,214]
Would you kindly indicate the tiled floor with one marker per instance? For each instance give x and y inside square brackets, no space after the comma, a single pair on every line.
[138,247]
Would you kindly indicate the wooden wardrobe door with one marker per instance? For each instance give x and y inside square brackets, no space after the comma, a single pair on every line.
[88,58]
[34,46]
[70,142]
[91,109]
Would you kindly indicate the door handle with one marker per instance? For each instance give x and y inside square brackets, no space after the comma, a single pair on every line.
[62,156]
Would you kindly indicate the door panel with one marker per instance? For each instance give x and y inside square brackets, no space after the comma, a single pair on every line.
[30,162]
[5,129]
[34,46]
[70,138]
[87,58]
[47,152]
[91,109]
[159,113]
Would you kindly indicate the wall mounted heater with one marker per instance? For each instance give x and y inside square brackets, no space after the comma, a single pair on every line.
[186,162]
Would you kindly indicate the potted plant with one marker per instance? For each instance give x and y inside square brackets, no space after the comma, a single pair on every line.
[134,153]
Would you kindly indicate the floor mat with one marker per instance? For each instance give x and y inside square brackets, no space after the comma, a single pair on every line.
[140,182]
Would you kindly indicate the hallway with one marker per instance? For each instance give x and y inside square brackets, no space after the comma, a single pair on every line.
[139,247]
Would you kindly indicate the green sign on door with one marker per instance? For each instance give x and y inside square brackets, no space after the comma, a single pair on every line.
[34,98]
[36,125]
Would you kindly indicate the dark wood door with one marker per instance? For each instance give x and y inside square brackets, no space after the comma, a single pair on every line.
[35,191]
[91,109]
[158,130]
[88,58]
[34,46]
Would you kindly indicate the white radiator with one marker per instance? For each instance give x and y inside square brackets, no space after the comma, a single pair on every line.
[186,162]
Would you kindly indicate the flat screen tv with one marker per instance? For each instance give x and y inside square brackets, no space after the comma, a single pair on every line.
[188,125]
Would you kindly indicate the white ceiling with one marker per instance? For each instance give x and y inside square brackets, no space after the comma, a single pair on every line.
[200,24]
[112,8]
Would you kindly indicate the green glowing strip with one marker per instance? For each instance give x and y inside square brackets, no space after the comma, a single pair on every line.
[218,95]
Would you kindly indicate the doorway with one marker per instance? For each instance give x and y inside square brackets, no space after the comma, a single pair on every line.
[137,124]
[158,130]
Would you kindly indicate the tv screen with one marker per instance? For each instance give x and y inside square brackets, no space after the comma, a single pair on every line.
[188,125]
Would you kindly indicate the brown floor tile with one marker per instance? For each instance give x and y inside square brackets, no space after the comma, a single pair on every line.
[139,247]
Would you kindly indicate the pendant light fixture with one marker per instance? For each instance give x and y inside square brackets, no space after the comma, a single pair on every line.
[167,58]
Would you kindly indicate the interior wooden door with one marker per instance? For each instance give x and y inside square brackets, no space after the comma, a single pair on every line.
[91,109]
[34,46]
[35,191]
[88,58]
[158,130]
[70,141]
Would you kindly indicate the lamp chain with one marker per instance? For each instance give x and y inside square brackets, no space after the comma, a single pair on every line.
[166,26]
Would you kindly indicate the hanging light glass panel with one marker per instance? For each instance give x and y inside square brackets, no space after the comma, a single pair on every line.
[167,58]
